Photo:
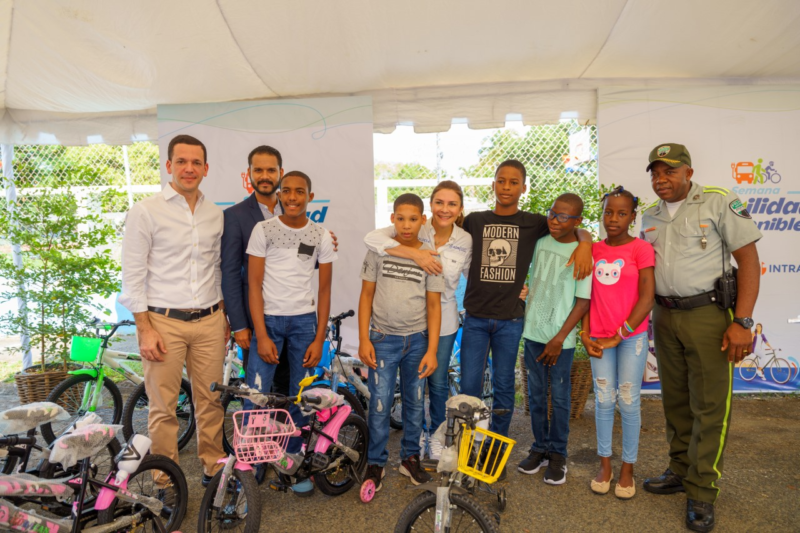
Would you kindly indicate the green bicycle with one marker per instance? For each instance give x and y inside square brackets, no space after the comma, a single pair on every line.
[90,389]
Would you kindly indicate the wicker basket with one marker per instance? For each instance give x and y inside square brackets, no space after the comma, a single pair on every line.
[33,385]
[580,377]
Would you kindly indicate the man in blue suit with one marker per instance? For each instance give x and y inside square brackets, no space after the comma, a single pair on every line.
[264,170]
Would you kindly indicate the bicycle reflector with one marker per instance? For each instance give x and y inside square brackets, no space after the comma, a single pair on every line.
[483,454]
[84,349]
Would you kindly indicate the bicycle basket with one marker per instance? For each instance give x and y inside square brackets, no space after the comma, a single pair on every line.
[84,349]
[483,454]
[261,436]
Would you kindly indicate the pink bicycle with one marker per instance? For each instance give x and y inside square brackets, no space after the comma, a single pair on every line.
[334,454]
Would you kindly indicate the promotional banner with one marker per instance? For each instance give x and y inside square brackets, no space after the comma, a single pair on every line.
[330,139]
[743,139]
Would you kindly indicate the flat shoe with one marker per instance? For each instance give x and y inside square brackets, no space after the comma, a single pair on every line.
[625,493]
[602,487]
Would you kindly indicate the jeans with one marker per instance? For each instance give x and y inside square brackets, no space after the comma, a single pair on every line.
[393,352]
[297,332]
[438,388]
[618,376]
[502,336]
[549,436]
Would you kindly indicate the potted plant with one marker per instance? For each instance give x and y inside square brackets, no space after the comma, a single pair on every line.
[66,267]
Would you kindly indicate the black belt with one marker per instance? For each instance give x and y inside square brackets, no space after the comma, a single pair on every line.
[690,302]
[192,315]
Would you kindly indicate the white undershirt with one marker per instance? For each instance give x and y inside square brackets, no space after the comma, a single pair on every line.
[673,207]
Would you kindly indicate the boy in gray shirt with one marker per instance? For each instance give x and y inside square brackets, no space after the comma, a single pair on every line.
[399,315]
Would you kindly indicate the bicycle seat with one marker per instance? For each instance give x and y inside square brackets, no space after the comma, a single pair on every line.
[81,443]
[26,417]
[28,485]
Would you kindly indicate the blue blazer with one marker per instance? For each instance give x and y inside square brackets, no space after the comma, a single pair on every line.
[240,220]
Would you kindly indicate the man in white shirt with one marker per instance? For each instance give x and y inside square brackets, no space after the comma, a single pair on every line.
[171,282]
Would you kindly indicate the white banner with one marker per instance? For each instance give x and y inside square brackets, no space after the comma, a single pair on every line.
[330,139]
[741,138]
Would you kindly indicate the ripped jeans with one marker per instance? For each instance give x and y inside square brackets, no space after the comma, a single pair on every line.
[618,380]
[393,352]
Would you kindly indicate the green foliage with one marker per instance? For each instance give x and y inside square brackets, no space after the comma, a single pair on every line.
[406,171]
[66,263]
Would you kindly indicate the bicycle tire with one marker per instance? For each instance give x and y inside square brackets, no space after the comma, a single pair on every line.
[135,413]
[8,464]
[748,370]
[422,511]
[240,483]
[349,398]
[176,500]
[230,404]
[357,439]
[780,375]
[71,401]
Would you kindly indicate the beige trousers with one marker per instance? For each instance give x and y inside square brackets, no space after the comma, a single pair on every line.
[201,345]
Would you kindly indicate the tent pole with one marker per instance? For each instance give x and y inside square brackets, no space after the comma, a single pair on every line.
[11,197]
[127,175]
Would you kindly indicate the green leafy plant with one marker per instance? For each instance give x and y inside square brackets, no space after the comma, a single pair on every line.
[66,266]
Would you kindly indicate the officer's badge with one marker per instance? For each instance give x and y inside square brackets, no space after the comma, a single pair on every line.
[662,151]
[739,209]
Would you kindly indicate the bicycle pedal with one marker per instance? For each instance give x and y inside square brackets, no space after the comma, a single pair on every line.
[277,486]
[429,465]
[320,461]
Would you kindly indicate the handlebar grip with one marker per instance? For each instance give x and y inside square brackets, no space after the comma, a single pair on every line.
[224,388]
[315,400]
[346,314]
[13,440]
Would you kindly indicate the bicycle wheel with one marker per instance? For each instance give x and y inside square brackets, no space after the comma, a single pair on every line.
[231,404]
[781,370]
[353,434]
[157,477]
[748,370]
[8,463]
[136,411]
[349,398]
[466,515]
[69,395]
[241,507]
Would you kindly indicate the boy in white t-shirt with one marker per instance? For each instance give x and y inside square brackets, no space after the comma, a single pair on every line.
[283,252]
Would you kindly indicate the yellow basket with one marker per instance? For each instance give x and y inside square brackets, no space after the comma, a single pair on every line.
[481,443]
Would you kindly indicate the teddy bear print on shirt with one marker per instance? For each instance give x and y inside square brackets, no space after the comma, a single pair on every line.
[608,273]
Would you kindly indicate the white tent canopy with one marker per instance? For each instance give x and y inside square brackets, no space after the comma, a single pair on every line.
[84,71]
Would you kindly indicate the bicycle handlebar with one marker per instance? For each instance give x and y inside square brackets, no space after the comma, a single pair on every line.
[272,398]
[110,327]
[14,440]
[313,401]
[346,314]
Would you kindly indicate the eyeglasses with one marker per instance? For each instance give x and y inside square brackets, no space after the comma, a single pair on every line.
[562,217]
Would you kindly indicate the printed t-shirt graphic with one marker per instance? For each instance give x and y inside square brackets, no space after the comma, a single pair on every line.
[402,271]
[289,258]
[499,257]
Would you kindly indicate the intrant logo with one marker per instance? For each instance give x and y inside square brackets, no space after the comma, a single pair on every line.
[755,173]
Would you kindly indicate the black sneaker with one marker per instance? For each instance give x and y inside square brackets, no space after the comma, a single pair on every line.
[556,473]
[492,461]
[411,468]
[534,462]
[376,474]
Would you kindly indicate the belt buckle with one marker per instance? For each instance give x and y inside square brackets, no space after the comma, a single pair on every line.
[194,315]
[672,303]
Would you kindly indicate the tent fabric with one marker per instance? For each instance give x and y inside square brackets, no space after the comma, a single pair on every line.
[84,71]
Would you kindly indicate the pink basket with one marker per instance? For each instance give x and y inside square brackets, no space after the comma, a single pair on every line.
[261,436]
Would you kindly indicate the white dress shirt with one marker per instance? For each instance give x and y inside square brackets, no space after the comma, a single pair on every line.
[455,256]
[171,256]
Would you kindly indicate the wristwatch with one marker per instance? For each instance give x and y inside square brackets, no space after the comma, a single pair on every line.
[746,322]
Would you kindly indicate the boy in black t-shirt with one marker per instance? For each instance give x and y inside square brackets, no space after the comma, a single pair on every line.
[503,241]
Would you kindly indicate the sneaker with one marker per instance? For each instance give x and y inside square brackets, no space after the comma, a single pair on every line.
[492,460]
[376,474]
[423,444]
[412,469]
[303,488]
[556,473]
[435,448]
[534,462]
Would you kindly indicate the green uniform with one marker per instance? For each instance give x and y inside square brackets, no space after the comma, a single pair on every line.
[696,378]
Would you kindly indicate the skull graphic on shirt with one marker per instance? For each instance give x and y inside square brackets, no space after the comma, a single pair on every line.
[499,250]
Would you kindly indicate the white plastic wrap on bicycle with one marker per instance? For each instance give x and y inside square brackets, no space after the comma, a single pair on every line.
[88,418]
[448,461]
[12,518]
[83,442]
[25,417]
[328,399]
[26,484]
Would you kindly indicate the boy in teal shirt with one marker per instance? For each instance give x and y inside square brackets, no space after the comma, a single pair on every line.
[556,304]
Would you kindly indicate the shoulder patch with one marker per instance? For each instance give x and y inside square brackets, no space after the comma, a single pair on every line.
[739,209]
[719,190]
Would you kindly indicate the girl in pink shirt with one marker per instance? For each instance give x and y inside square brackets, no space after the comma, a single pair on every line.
[614,332]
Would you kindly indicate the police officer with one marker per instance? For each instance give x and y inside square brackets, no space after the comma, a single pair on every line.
[694,230]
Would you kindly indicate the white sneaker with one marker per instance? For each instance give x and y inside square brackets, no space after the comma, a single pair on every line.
[423,444]
[436,449]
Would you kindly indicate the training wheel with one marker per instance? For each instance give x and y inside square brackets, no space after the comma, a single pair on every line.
[501,499]
[367,491]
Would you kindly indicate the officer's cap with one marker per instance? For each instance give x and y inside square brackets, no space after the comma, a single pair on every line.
[674,155]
